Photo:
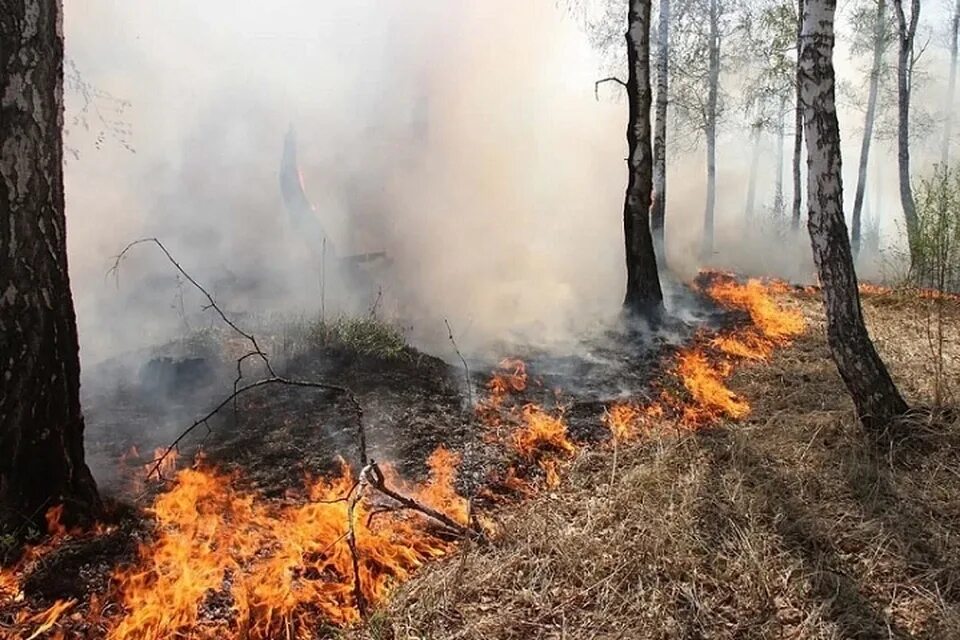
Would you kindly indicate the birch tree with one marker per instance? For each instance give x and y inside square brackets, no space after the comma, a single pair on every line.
[951,85]
[771,46]
[879,41]
[644,296]
[698,95]
[41,425]
[798,128]
[906,35]
[874,395]
[658,216]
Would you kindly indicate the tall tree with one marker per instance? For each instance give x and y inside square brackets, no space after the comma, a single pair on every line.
[658,217]
[770,44]
[906,31]
[876,398]
[41,425]
[713,89]
[644,296]
[798,127]
[755,129]
[879,46]
[951,85]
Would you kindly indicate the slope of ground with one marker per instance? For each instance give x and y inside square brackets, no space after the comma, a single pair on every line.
[791,524]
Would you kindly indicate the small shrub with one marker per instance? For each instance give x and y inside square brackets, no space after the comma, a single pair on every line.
[935,264]
[936,246]
[364,335]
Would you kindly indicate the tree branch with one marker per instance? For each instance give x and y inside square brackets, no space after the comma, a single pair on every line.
[596,85]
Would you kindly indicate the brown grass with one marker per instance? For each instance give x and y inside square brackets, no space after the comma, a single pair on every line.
[792,524]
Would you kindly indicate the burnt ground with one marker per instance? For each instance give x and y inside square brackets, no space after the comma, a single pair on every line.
[275,436]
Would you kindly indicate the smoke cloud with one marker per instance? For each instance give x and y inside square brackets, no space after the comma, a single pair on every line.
[461,138]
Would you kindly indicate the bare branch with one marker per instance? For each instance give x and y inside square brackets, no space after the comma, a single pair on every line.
[466,369]
[596,85]
[256,352]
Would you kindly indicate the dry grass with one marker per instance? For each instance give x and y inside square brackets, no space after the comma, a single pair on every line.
[792,524]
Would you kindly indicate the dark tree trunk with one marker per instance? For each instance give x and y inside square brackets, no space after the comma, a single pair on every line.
[951,86]
[876,398]
[644,296]
[41,426]
[798,131]
[869,119]
[713,88]
[659,215]
[907,29]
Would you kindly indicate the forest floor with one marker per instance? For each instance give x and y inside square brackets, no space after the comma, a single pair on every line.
[792,523]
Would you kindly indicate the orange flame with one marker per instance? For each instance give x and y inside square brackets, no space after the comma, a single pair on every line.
[274,568]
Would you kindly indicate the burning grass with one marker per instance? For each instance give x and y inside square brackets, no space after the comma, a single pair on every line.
[791,524]
[222,561]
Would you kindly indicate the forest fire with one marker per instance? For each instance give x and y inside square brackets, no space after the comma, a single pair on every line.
[704,375]
[225,562]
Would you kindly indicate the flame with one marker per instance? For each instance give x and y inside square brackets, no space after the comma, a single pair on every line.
[509,379]
[163,464]
[541,432]
[49,617]
[627,420]
[704,380]
[222,562]
[275,569]
[704,376]
[52,517]
[756,299]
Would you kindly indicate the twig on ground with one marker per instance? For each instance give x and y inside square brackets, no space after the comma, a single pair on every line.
[466,369]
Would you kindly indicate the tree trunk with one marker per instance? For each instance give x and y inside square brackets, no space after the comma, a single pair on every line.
[41,426]
[907,31]
[798,131]
[644,296]
[658,219]
[713,87]
[876,398]
[752,178]
[869,119]
[778,183]
[951,86]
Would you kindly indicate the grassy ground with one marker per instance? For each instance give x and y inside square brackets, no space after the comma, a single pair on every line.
[791,524]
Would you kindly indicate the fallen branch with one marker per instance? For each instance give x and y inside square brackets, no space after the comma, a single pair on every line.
[378,482]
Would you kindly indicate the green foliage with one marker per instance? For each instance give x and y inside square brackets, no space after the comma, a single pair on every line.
[936,247]
[364,335]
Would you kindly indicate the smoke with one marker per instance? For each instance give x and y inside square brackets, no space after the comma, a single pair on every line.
[462,138]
